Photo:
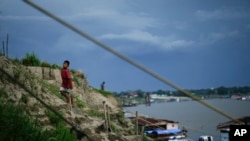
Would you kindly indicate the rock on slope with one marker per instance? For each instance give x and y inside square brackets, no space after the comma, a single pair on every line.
[45,82]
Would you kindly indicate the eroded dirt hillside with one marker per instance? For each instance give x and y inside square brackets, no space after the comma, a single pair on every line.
[45,82]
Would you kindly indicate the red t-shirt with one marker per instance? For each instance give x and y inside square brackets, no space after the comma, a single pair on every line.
[66,79]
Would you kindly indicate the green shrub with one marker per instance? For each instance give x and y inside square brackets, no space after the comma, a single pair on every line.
[55,66]
[16,61]
[31,60]
[15,125]
[45,64]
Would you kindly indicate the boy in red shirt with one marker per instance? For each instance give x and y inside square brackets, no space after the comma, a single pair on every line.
[67,85]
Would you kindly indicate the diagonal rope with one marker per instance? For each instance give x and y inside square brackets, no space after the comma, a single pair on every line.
[128,60]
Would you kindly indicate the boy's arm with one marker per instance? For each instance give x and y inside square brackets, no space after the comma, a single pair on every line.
[70,83]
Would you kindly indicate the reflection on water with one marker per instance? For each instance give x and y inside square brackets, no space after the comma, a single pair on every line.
[198,119]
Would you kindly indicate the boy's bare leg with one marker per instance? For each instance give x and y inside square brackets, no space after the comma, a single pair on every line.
[65,95]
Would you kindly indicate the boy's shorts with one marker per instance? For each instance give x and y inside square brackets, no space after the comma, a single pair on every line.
[69,91]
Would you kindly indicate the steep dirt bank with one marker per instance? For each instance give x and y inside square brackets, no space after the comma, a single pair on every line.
[81,88]
[45,82]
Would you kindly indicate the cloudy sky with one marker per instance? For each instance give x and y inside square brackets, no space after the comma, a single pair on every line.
[195,43]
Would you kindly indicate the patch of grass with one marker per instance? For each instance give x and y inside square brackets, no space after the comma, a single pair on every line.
[12,117]
[25,98]
[76,81]
[119,117]
[54,119]
[114,128]
[17,73]
[52,88]
[103,92]
[62,134]
[145,138]
[3,92]
[15,125]
[130,131]
[16,61]
[95,113]
[80,103]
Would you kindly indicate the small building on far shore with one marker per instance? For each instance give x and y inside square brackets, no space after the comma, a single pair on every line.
[224,128]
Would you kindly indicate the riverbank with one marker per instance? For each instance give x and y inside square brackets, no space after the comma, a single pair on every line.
[196,118]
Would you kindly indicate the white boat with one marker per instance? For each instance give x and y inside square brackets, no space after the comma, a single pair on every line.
[205,138]
[177,138]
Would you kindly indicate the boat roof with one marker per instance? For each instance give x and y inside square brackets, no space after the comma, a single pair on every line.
[145,121]
[225,125]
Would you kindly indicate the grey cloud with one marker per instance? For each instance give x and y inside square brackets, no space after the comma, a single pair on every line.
[215,37]
[162,42]
[221,14]
[39,18]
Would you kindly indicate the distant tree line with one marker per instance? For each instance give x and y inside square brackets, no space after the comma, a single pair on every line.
[221,91]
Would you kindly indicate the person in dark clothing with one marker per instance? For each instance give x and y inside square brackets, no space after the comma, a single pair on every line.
[102,86]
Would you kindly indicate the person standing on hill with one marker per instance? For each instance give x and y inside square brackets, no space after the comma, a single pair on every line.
[102,86]
[67,84]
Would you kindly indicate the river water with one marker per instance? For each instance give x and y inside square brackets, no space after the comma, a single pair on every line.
[196,118]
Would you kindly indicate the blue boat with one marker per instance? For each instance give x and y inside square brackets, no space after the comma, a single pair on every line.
[149,131]
[162,132]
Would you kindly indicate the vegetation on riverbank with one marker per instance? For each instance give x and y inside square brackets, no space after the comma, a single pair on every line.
[208,92]
[17,125]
